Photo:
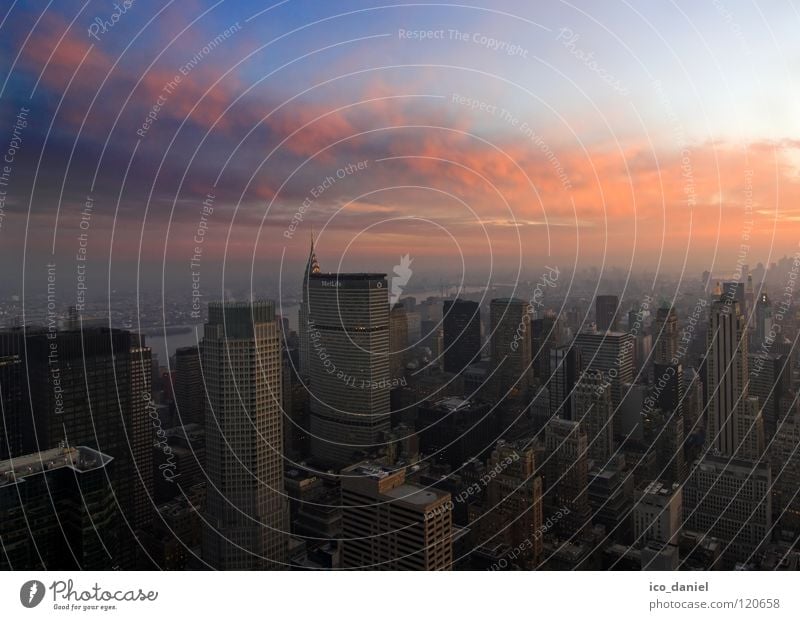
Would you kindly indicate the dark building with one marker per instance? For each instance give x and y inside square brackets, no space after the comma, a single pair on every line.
[141,437]
[769,381]
[510,321]
[189,390]
[665,336]
[611,501]
[462,334]
[605,310]
[544,337]
[612,354]
[567,478]
[454,430]
[14,412]
[565,370]
[178,461]
[57,511]
[667,391]
[82,394]
[734,291]
[16,423]
[398,341]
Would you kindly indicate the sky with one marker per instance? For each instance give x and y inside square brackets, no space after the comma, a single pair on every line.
[480,138]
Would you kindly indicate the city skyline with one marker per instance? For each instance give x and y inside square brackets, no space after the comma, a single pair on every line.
[619,172]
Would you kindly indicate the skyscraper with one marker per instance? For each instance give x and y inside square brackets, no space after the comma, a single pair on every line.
[82,395]
[454,430]
[763,318]
[567,476]
[565,369]
[390,524]
[726,374]
[665,335]
[462,334]
[246,520]
[594,411]
[545,335]
[605,310]
[612,354]
[141,436]
[312,267]
[785,461]
[510,346]
[733,291]
[512,513]
[769,381]
[189,391]
[349,364]
[13,409]
[749,431]
[398,341]
[663,435]
[57,511]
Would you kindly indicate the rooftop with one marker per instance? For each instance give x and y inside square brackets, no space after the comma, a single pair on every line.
[80,459]
[453,403]
[349,276]
[413,494]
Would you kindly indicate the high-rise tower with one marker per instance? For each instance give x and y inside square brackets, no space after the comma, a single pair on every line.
[606,312]
[462,334]
[312,267]
[727,374]
[349,364]
[511,345]
[665,336]
[246,520]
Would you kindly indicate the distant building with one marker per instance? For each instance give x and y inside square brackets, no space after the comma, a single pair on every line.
[611,500]
[14,410]
[727,374]
[594,411]
[606,307]
[454,430]
[770,379]
[189,388]
[664,435]
[398,342]
[763,319]
[390,524]
[511,346]
[545,336]
[512,513]
[462,334]
[665,336]
[612,354]
[567,477]
[565,369]
[141,437]
[784,457]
